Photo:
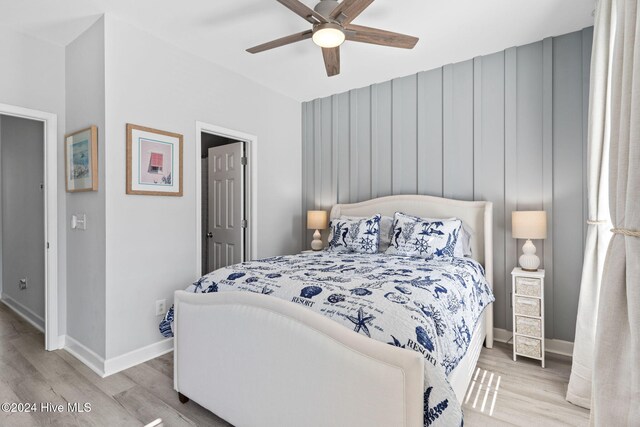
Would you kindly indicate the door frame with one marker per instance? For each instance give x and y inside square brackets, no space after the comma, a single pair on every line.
[251,196]
[50,122]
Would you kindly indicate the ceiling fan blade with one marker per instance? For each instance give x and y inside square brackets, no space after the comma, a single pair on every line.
[293,38]
[303,10]
[349,10]
[358,33]
[331,60]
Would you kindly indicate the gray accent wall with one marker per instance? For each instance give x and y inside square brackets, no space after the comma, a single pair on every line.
[510,127]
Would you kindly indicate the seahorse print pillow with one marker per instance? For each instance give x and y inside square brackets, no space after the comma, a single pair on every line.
[386,226]
[355,235]
[423,237]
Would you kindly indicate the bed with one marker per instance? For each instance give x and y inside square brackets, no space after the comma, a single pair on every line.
[254,359]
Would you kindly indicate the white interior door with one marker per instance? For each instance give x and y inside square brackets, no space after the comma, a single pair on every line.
[226,203]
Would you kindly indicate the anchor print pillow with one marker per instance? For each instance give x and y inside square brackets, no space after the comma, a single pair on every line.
[355,235]
[423,237]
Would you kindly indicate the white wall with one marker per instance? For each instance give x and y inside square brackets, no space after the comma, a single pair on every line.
[22,171]
[121,265]
[85,106]
[32,75]
[151,242]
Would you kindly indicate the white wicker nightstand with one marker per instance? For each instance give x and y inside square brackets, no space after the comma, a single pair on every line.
[528,313]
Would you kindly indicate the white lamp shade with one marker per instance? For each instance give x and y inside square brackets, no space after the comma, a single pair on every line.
[316,220]
[529,224]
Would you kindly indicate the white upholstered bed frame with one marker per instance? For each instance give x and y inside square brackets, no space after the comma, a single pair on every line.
[255,360]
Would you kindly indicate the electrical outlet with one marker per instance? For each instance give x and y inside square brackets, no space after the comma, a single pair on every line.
[161,307]
[22,284]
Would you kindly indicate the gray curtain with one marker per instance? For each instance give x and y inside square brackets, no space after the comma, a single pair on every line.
[599,224]
[616,374]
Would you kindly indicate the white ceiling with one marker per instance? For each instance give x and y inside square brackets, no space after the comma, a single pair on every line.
[221,30]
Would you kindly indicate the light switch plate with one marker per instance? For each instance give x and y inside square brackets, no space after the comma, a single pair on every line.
[79,221]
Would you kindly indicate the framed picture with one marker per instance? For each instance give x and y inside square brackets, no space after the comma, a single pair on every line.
[154,162]
[81,160]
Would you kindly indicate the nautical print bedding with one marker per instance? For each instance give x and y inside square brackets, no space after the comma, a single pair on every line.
[429,306]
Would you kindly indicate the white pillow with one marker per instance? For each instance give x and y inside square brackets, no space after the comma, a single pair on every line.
[386,228]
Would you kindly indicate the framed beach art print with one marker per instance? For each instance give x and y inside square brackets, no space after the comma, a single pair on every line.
[81,160]
[154,162]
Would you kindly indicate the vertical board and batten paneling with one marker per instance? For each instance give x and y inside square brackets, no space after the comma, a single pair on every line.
[308,194]
[381,137]
[341,131]
[529,175]
[489,159]
[430,132]
[404,135]
[568,164]
[547,177]
[457,101]
[326,162]
[360,143]
[509,127]
[510,184]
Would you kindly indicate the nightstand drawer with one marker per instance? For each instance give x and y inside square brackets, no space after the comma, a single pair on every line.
[528,286]
[527,306]
[528,346]
[528,326]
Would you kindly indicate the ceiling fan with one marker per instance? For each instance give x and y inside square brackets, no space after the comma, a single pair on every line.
[332,26]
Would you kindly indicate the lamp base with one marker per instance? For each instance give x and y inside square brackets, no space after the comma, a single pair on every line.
[529,261]
[316,243]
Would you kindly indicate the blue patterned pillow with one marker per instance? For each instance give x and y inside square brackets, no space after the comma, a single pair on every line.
[355,235]
[422,237]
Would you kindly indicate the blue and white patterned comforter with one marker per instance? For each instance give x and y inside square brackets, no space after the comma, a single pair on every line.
[430,306]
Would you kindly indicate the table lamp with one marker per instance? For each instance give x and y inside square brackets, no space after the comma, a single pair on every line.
[316,220]
[529,225]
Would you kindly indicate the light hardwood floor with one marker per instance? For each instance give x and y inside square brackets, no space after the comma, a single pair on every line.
[133,397]
[528,396]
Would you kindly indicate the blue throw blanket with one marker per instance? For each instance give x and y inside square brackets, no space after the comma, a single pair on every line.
[429,306]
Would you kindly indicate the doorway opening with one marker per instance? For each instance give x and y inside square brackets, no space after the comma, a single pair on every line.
[224,204]
[28,218]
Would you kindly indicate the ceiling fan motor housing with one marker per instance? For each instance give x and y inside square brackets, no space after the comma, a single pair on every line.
[325,7]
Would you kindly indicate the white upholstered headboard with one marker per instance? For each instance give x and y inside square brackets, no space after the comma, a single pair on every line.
[477,216]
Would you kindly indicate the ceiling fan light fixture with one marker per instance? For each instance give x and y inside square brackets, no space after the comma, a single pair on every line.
[328,35]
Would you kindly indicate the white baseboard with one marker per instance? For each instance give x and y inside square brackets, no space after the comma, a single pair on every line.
[111,366]
[84,354]
[564,348]
[138,356]
[23,311]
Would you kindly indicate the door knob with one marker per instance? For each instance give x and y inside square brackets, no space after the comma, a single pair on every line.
[210,235]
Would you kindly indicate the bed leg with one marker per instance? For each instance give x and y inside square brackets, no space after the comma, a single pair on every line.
[182,398]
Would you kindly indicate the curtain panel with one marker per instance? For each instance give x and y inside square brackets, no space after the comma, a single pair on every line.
[616,373]
[599,223]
